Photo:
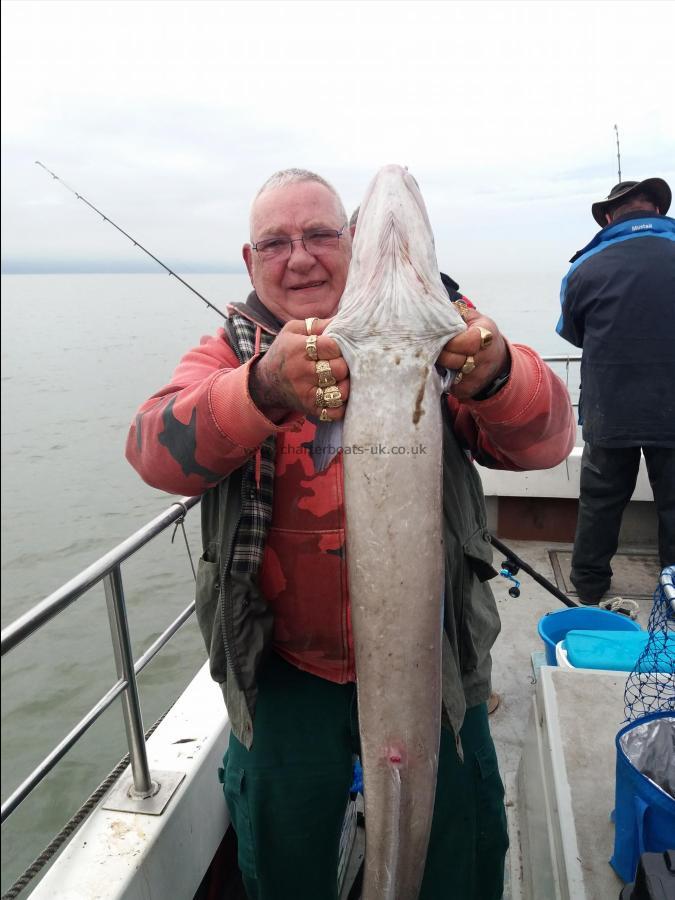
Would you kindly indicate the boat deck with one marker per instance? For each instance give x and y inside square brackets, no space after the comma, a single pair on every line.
[590,708]
[513,675]
[114,840]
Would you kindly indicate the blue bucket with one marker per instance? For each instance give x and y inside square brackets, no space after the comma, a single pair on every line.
[554,626]
[644,815]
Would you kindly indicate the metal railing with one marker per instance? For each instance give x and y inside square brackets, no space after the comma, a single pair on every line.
[567,360]
[106,569]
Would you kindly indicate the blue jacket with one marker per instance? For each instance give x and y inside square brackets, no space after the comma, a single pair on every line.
[618,304]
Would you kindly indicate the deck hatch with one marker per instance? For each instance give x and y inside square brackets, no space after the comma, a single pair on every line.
[636,573]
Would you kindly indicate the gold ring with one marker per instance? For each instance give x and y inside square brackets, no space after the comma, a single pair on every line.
[469,365]
[325,373]
[458,377]
[318,399]
[485,337]
[310,348]
[462,308]
[324,417]
[309,322]
[332,397]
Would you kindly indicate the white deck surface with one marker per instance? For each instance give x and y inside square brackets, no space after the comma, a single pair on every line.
[146,857]
[590,725]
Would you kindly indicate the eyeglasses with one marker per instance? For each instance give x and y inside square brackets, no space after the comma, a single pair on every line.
[322,240]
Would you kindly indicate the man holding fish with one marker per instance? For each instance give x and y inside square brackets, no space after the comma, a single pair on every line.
[319,566]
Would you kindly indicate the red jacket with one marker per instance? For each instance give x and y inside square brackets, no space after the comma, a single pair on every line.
[528,425]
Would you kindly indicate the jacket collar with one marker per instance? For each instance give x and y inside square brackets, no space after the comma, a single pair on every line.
[655,222]
[255,311]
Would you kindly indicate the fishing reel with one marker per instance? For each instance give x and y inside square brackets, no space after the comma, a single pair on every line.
[509,570]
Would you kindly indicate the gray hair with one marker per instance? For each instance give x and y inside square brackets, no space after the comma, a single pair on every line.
[295,176]
[353,219]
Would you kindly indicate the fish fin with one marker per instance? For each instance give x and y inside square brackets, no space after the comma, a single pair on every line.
[327,441]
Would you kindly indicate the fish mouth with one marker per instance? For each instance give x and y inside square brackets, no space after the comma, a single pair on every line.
[393,216]
[307,286]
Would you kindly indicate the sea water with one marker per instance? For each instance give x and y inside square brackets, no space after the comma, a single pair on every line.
[79,354]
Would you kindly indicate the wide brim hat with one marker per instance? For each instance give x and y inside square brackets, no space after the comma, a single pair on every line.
[657,189]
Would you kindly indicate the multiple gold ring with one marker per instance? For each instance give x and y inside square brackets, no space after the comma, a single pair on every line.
[486,338]
[327,394]
[324,373]
[332,397]
[310,348]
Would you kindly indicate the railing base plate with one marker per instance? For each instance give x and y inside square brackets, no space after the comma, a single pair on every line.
[122,798]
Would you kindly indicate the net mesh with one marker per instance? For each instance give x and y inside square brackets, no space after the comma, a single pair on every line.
[651,685]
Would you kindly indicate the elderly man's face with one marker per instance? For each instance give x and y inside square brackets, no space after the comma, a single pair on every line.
[305,284]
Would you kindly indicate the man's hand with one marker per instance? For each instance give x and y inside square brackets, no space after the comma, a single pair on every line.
[490,360]
[285,379]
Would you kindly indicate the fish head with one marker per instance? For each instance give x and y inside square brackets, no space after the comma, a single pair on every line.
[393,227]
[394,286]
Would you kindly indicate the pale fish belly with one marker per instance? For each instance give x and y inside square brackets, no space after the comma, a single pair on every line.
[394,550]
[393,320]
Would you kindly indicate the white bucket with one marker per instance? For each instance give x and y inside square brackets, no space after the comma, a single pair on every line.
[561,656]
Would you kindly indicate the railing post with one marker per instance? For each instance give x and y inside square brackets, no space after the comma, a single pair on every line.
[124,661]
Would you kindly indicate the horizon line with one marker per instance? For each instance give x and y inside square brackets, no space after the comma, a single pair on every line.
[102,267]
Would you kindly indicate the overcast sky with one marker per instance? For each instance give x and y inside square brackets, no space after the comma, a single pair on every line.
[169,115]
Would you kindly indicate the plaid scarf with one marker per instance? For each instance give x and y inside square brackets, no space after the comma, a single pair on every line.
[256,494]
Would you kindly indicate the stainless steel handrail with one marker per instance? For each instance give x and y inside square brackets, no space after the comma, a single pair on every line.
[106,568]
[124,661]
[88,720]
[567,359]
[60,599]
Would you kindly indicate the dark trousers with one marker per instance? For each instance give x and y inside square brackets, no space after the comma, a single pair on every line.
[287,796]
[608,476]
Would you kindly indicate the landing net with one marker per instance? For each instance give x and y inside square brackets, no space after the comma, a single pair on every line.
[651,685]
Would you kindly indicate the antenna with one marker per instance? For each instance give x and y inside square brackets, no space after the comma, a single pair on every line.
[618,151]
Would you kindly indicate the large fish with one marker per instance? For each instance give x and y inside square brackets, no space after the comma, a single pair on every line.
[393,320]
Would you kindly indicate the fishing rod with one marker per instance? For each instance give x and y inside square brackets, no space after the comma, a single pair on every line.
[521,564]
[618,151]
[133,240]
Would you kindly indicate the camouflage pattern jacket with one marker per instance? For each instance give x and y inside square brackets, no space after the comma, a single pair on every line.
[204,426]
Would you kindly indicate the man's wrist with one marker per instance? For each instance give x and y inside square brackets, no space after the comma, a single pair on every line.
[495,386]
[263,393]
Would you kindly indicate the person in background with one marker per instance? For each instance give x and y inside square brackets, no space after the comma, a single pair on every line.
[618,305]
[236,424]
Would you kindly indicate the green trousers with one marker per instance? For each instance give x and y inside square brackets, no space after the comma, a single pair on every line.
[287,796]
